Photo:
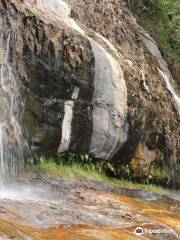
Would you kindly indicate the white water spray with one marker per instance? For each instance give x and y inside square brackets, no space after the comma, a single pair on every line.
[11,134]
[171,89]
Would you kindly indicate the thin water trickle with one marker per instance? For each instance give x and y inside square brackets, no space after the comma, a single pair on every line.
[11,134]
[171,89]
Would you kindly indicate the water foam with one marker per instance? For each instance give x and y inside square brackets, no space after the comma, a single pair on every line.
[11,133]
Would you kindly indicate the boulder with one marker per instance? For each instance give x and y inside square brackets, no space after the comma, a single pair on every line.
[90,84]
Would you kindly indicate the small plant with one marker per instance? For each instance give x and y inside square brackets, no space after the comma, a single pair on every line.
[159,175]
[111,168]
[73,158]
[85,158]
[49,167]
[72,165]
[126,172]
[161,19]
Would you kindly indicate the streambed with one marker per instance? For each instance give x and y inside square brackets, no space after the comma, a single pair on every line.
[82,209]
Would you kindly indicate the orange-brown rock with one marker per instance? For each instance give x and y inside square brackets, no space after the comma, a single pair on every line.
[142,161]
[85,210]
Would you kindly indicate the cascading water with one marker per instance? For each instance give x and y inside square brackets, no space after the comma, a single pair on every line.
[11,134]
[171,89]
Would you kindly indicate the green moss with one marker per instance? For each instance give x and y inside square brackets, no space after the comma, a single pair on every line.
[162,19]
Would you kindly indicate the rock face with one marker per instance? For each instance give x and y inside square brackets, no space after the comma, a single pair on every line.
[109,105]
[91,80]
[142,160]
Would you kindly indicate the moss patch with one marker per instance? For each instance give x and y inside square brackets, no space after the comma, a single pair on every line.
[161,18]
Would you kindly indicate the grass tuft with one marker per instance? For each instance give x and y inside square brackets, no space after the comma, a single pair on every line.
[70,172]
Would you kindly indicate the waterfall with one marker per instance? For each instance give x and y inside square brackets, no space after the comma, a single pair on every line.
[11,134]
[171,89]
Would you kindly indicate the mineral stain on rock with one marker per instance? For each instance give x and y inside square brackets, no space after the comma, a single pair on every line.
[90,80]
[82,210]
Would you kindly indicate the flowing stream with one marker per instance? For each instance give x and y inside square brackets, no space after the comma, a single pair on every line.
[11,134]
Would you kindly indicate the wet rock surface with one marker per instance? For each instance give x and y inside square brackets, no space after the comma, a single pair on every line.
[122,102]
[87,89]
[84,209]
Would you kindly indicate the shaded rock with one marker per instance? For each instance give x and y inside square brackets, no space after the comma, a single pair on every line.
[142,161]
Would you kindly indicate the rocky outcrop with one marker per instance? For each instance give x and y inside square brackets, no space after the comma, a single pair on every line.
[150,104]
[84,209]
[109,105]
[91,80]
